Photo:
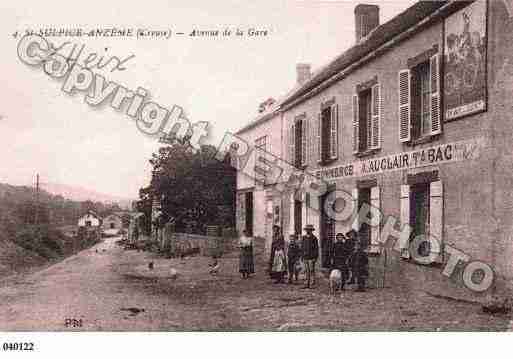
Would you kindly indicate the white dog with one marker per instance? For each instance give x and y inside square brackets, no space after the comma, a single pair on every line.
[335,281]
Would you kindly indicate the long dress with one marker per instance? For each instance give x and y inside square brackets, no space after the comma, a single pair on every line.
[246,263]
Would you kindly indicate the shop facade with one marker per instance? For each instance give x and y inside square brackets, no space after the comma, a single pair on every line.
[414,121]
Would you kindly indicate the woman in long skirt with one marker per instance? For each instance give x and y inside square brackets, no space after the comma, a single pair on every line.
[246,263]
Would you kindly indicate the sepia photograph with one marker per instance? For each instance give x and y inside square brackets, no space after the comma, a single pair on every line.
[240,166]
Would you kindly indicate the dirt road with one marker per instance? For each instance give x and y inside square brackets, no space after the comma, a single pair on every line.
[107,288]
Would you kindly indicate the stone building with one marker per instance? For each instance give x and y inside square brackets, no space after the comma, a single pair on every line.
[414,121]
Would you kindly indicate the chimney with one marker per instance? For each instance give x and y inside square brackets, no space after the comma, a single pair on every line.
[303,73]
[366,19]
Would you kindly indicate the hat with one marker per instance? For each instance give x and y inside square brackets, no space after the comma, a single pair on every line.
[351,232]
[309,227]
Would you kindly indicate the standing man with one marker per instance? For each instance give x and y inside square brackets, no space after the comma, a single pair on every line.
[360,266]
[310,254]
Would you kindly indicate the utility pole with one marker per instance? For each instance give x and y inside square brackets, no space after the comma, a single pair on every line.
[37,201]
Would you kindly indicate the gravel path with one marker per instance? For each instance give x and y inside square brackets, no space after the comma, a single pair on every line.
[107,288]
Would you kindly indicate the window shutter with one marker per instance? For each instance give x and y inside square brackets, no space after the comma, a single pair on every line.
[319,138]
[404,106]
[242,211]
[434,68]
[436,210]
[376,117]
[291,214]
[356,120]
[356,221]
[334,132]
[293,144]
[375,231]
[405,213]
[304,141]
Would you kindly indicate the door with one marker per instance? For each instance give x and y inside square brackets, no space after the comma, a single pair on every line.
[249,213]
[298,225]
[364,234]
[326,235]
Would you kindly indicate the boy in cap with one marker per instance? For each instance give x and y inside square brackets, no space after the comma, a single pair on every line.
[310,254]
[293,256]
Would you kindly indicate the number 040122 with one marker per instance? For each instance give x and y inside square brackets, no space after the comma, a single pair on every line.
[21,346]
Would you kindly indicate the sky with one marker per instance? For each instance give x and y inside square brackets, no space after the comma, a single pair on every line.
[219,80]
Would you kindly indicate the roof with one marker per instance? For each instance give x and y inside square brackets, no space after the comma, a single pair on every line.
[379,36]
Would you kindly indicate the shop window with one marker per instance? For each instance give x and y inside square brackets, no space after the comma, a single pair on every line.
[367,109]
[327,133]
[419,101]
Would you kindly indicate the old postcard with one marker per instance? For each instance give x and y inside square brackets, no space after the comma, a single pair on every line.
[306,166]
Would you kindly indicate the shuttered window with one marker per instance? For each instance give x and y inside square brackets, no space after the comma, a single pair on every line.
[304,142]
[327,133]
[334,132]
[419,100]
[436,122]
[404,106]
[422,209]
[356,122]
[367,112]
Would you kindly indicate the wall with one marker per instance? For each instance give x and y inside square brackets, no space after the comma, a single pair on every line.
[245,183]
[477,194]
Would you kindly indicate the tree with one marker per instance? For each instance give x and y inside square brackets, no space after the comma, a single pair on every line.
[191,186]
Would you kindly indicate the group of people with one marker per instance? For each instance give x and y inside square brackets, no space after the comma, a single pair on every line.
[288,260]
[346,254]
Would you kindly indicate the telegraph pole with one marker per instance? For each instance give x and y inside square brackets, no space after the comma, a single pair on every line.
[37,200]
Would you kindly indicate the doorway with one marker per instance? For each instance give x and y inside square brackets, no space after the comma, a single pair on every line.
[248,202]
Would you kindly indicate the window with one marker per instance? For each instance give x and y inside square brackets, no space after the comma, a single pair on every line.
[88,223]
[367,109]
[260,152]
[419,209]
[327,133]
[419,100]
[298,142]
[112,225]
[422,210]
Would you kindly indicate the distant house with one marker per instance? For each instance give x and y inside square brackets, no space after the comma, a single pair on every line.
[90,219]
[112,221]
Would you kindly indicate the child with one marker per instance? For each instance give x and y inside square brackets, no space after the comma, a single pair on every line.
[293,258]
[279,264]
